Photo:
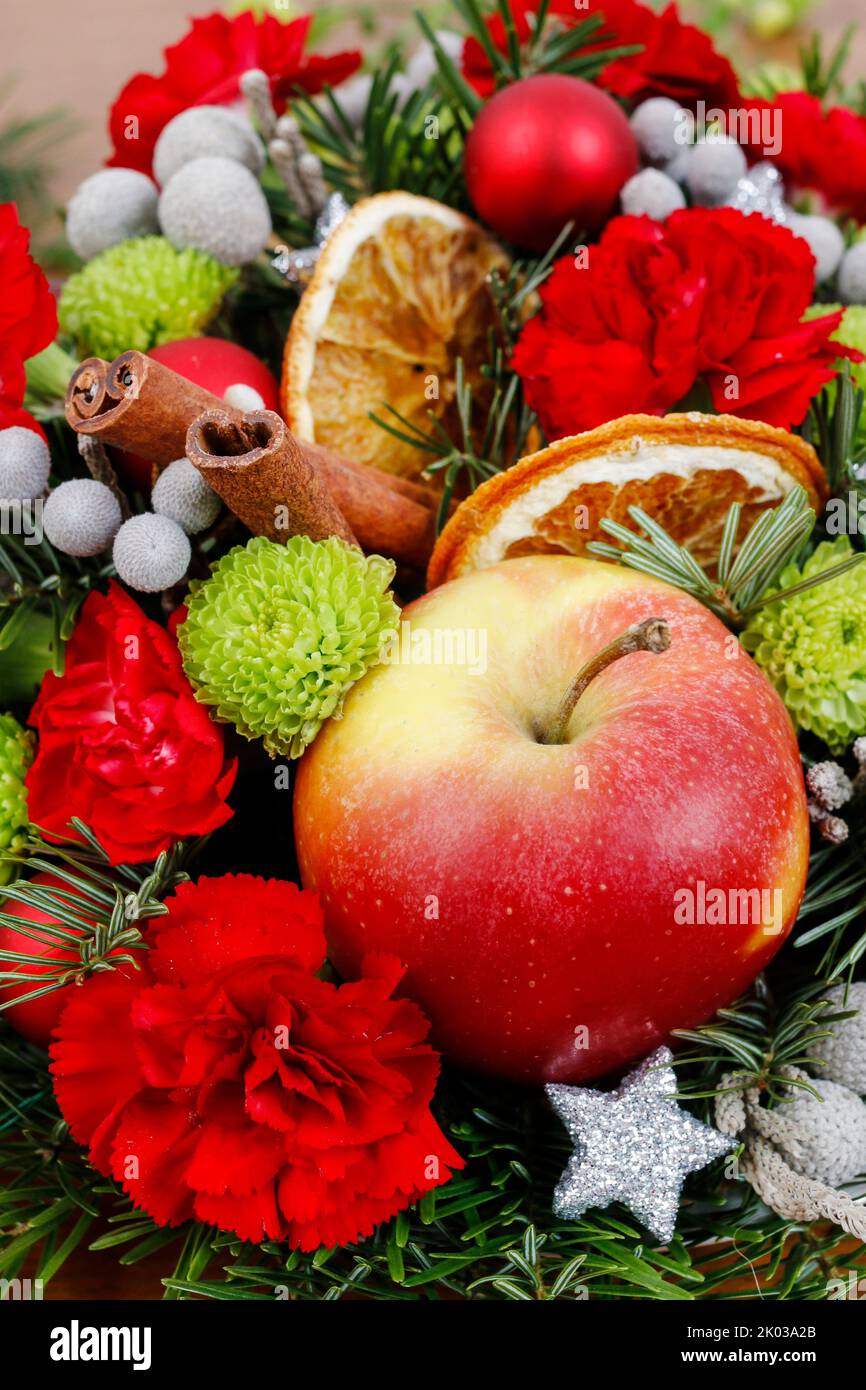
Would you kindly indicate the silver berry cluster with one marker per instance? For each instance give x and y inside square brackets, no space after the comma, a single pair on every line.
[205,192]
[710,169]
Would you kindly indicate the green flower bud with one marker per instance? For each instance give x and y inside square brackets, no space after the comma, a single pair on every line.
[277,635]
[813,646]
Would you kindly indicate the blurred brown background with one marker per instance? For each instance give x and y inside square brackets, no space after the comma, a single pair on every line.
[78,59]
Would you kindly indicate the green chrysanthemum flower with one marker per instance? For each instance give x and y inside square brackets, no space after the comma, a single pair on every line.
[813,647]
[16,755]
[277,635]
[141,293]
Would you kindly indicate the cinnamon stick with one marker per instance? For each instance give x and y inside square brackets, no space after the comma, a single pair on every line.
[274,484]
[257,468]
[137,404]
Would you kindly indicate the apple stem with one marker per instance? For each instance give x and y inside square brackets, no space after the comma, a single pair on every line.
[652,635]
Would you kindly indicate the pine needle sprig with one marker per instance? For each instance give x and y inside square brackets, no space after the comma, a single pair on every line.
[494,435]
[93,912]
[552,47]
[742,576]
[412,143]
[36,579]
[832,427]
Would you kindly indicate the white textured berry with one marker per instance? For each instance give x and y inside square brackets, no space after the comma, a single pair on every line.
[217,206]
[825,240]
[714,169]
[109,207]
[181,493]
[823,1139]
[24,464]
[151,553]
[844,1052]
[206,130]
[653,193]
[81,517]
[662,129]
[852,275]
[243,397]
[678,167]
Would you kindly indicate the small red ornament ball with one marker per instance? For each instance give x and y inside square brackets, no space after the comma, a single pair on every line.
[37,1019]
[217,364]
[545,151]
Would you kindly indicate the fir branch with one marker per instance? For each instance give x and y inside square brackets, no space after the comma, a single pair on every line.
[410,143]
[742,577]
[37,579]
[833,427]
[93,912]
[553,46]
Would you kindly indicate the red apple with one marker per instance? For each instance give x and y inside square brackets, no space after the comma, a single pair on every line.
[539,893]
[215,364]
[37,1019]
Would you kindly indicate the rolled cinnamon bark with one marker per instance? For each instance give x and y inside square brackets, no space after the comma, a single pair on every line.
[279,487]
[257,468]
[416,491]
[137,404]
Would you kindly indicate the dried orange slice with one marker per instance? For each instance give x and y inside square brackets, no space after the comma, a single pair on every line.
[399,293]
[683,470]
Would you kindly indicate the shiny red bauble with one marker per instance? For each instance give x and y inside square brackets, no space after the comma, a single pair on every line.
[545,151]
[37,1019]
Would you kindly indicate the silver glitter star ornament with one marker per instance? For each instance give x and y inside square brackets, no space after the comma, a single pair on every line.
[633,1145]
[762,190]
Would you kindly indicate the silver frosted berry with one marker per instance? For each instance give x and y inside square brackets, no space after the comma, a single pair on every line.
[852,275]
[714,169]
[81,517]
[843,1053]
[824,239]
[24,464]
[662,129]
[217,206]
[653,193]
[823,1139]
[110,206]
[151,553]
[206,130]
[181,494]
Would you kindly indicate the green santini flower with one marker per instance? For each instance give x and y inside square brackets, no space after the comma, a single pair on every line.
[276,636]
[16,755]
[141,293]
[813,646]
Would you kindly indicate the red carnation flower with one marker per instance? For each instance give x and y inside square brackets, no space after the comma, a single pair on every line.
[676,60]
[228,1082]
[123,743]
[204,69]
[28,313]
[820,150]
[711,295]
[17,415]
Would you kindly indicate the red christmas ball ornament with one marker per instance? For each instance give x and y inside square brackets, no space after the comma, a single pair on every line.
[37,1019]
[545,151]
[216,365]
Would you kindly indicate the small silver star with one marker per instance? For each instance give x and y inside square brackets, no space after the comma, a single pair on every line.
[633,1145]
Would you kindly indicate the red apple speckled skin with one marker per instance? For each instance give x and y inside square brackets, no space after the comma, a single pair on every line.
[531,890]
